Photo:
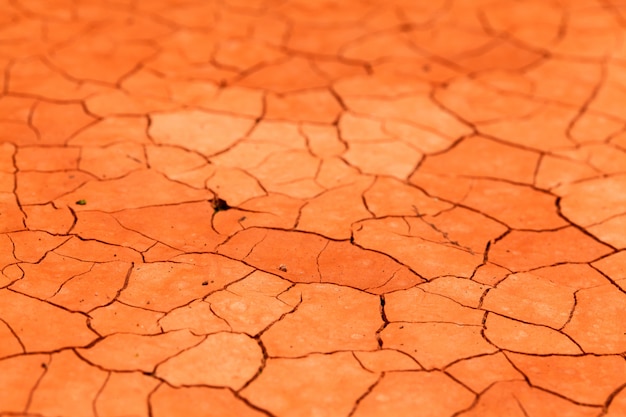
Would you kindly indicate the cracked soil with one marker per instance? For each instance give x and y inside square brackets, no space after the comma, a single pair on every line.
[293,208]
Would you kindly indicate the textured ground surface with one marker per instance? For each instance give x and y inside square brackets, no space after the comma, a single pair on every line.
[312,208]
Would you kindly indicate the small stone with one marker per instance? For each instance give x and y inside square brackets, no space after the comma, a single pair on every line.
[219,205]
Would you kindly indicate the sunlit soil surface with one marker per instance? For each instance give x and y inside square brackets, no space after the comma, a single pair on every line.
[312,208]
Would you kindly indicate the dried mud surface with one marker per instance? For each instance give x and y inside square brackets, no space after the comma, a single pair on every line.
[312,208]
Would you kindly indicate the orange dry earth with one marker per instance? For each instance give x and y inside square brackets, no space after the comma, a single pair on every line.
[423,212]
